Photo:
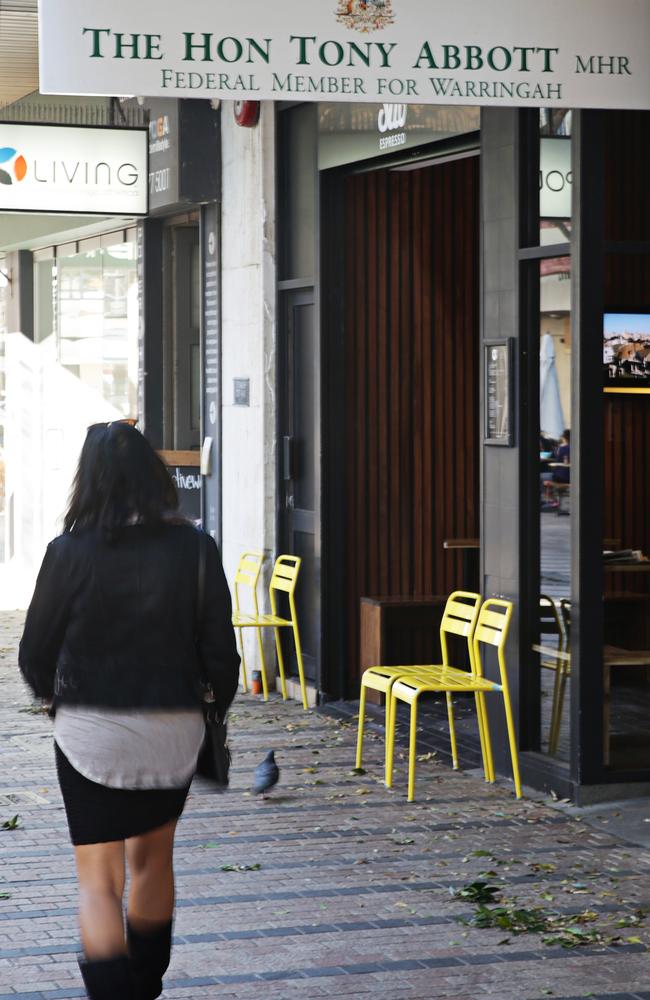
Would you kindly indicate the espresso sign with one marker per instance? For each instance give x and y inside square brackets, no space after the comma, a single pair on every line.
[56,168]
[564,53]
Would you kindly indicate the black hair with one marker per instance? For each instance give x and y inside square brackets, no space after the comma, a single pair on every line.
[566,434]
[119,477]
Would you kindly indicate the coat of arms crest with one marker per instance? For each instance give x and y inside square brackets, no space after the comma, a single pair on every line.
[365,15]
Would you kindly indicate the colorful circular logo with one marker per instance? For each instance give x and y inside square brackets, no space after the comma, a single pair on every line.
[16,165]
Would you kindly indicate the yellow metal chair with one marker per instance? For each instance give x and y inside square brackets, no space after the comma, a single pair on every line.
[247,575]
[284,579]
[459,618]
[491,629]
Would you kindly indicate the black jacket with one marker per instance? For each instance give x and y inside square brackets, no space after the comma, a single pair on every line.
[115,624]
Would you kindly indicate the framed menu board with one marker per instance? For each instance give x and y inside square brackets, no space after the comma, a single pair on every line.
[498,392]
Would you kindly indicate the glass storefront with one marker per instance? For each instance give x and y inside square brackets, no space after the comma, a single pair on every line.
[86,299]
[548,307]
[555,176]
[4,290]
[555,500]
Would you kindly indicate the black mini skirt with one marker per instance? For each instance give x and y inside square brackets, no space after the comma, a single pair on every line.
[98,814]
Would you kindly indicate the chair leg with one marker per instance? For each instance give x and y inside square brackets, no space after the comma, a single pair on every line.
[488,737]
[480,707]
[512,739]
[391,702]
[244,676]
[552,737]
[559,708]
[452,731]
[362,715]
[278,647]
[301,668]
[265,682]
[413,750]
[387,729]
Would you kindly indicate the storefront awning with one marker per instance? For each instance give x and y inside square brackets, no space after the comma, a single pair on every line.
[18,49]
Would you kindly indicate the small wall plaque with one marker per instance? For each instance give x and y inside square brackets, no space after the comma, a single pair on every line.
[498,392]
[242,392]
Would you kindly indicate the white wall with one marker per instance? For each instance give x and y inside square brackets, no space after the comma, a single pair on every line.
[249,345]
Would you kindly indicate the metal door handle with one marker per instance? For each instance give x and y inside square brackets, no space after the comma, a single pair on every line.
[287,458]
[291,501]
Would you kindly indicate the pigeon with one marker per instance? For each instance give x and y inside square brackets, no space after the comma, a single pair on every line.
[266,774]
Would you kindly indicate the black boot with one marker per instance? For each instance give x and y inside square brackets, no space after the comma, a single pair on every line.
[109,979]
[149,954]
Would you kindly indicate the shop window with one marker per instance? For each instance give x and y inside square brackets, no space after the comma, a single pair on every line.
[45,284]
[297,195]
[97,321]
[554,504]
[195,351]
[4,290]
[555,176]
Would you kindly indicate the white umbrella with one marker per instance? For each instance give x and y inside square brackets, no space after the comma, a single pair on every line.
[551,416]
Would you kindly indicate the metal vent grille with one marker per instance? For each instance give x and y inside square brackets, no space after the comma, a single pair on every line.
[18,50]
[106,113]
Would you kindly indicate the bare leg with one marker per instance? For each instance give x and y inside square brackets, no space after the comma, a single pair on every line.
[151,864]
[100,870]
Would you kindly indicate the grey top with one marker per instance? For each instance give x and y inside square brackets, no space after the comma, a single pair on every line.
[131,749]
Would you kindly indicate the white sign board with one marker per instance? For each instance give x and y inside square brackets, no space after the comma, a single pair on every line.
[531,53]
[86,171]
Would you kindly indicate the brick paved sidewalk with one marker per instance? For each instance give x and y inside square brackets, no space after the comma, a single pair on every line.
[352,897]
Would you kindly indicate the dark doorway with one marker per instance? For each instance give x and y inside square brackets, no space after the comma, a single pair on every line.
[408,391]
[299,461]
[183,352]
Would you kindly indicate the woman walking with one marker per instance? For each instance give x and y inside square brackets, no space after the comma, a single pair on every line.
[112,640]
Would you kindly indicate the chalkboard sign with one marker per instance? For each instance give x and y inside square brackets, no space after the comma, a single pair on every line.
[187,480]
[184,468]
[498,392]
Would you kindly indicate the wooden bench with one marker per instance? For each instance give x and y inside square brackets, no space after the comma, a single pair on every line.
[615,656]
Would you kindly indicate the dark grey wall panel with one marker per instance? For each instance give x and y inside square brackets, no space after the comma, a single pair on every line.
[500,474]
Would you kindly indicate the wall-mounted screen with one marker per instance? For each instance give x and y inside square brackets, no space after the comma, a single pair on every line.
[626,352]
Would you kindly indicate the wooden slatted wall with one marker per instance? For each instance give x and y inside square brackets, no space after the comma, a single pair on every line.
[412,341]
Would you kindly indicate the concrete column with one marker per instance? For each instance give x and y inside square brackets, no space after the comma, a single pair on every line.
[249,344]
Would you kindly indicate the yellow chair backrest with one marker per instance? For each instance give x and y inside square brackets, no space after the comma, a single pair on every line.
[459,618]
[285,574]
[550,622]
[493,625]
[565,607]
[248,573]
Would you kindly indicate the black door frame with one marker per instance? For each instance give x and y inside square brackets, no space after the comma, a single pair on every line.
[512,200]
[290,519]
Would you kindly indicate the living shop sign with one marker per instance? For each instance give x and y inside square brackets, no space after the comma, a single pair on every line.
[555,53]
[76,170]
